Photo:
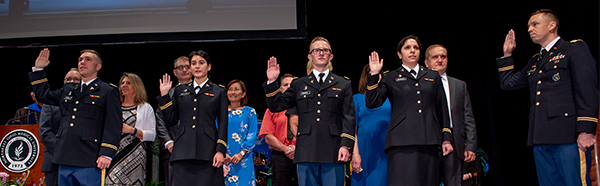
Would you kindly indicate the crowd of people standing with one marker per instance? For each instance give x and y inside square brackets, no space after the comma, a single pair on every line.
[408,126]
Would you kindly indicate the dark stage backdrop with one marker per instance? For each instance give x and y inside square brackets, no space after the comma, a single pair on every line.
[472,32]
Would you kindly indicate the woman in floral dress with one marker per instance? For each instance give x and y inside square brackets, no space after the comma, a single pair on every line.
[239,166]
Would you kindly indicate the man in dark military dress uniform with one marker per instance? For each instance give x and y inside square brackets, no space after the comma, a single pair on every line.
[325,117]
[90,124]
[49,124]
[563,86]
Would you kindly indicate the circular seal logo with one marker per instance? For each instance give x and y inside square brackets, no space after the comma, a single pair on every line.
[19,150]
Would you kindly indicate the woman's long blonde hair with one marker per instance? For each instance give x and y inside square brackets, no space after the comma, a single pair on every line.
[140,91]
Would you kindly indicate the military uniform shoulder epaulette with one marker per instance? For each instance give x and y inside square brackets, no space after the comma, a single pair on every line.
[385,72]
[177,85]
[221,86]
[113,85]
[294,78]
[576,40]
[536,54]
[346,78]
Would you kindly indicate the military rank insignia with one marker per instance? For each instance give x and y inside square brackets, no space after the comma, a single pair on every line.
[427,79]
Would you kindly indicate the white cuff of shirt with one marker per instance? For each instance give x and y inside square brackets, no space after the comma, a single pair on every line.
[167,143]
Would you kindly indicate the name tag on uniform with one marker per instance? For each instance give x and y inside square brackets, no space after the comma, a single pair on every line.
[68,98]
[304,93]
[401,79]
[184,94]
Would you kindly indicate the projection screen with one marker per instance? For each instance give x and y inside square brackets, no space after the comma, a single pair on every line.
[49,18]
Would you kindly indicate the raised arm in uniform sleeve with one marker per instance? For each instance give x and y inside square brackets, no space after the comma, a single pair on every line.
[585,87]
[509,78]
[470,129]
[41,88]
[223,122]
[376,91]
[113,124]
[349,123]
[168,107]
[276,101]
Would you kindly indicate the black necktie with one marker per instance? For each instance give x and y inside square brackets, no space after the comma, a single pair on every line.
[544,53]
[413,72]
[321,78]
[83,87]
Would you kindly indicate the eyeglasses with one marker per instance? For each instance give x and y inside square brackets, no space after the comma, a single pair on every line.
[319,50]
[182,67]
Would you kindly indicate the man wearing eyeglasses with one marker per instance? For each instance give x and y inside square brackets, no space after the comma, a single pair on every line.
[181,70]
[325,117]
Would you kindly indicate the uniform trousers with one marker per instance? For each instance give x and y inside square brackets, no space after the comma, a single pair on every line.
[453,169]
[80,176]
[563,164]
[197,172]
[414,165]
[321,174]
[284,171]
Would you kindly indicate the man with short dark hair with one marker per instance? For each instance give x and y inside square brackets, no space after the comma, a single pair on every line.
[91,121]
[325,117]
[563,87]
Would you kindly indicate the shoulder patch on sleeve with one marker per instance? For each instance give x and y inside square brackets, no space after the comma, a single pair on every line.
[576,40]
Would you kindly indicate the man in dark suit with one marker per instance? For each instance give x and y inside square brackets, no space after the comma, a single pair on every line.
[166,134]
[563,87]
[325,117]
[461,117]
[49,124]
[90,123]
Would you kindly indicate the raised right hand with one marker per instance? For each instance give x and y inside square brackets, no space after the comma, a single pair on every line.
[510,43]
[42,60]
[165,84]
[272,69]
[374,63]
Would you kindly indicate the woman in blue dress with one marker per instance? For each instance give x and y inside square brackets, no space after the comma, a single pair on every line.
[369,161]
[239,165]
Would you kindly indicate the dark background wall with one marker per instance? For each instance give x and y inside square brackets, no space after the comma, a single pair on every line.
[473,32]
